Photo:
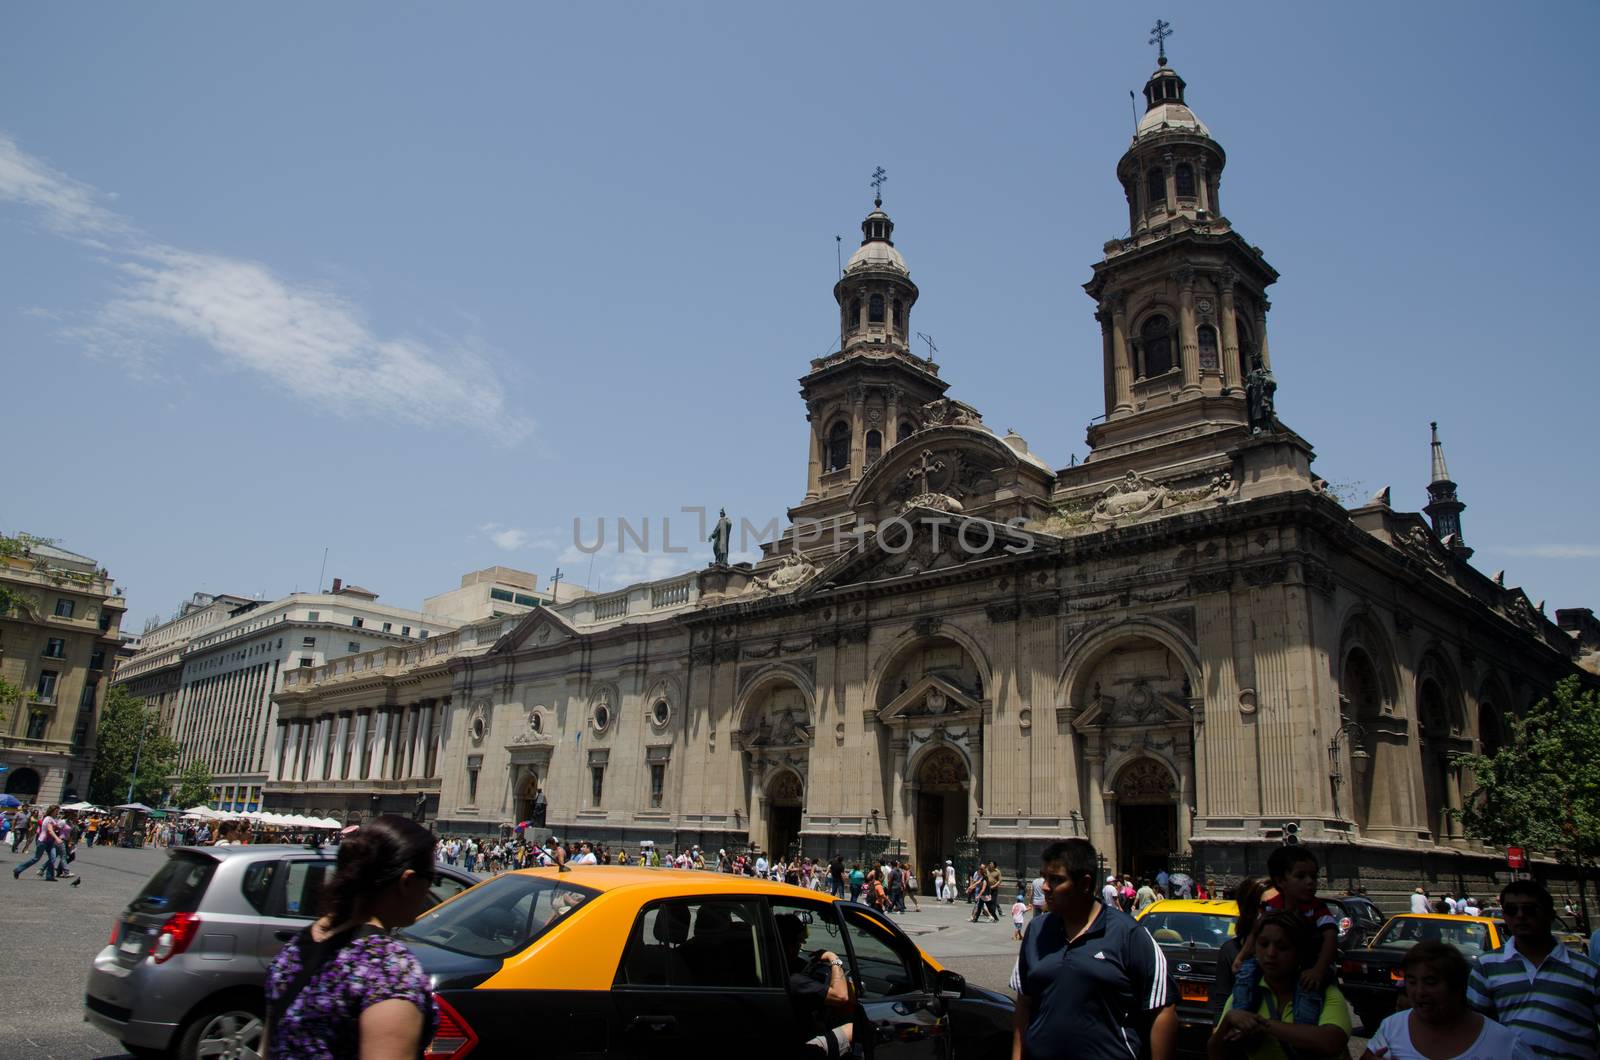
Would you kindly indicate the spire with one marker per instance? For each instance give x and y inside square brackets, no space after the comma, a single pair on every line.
[1444,507]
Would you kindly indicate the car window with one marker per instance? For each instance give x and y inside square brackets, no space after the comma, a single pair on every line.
[446,887]
[257,883]
[882,970]
[696,942]
[816,926]
[1401,933]
[177,885]
[501,916]
[302,888]
[1202,929]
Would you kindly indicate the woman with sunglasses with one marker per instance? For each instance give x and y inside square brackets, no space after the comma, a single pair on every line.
[343,987]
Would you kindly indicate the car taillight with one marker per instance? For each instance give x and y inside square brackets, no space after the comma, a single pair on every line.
[1353,967]
[454,1038]
[116,929]
[1396,975]
[174,936]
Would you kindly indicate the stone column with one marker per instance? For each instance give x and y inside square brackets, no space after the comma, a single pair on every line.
[1230,334]
[1108,361]
[1188,334]
[359,762]
[1261,332]
[1169,170]
[1094,816]
[1203,184]
[347,735]
[891,430]
[858,431]
[1185,799]
[1121,352]
[425,743]
[1452,796]
[814,464]
[278,746]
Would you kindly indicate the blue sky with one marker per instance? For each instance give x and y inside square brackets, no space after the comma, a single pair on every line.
[422,284]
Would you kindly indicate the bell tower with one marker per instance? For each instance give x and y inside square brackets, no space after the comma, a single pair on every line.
[1181,302]
[864,399]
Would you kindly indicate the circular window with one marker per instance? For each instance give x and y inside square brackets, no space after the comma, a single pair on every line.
[479,727]
[602,717]
[661,712]
[536,722]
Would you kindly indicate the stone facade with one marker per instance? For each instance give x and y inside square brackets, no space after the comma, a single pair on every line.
[56,645]
[1176,648]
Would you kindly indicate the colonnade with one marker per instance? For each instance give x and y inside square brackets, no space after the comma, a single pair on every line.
[366,743]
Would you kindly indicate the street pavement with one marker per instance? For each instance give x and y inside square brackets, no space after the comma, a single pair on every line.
[49,932]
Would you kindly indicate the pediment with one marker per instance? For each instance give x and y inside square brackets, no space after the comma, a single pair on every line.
[930,697]
[920,542]
[539,628]
[957,468]
[1140,707]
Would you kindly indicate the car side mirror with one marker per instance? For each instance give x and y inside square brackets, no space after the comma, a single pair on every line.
[950,985]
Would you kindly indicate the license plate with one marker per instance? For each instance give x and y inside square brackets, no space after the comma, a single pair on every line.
[1191,991]
[132,946]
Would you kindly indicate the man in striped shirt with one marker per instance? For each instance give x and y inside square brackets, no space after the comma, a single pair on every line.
[1534,984]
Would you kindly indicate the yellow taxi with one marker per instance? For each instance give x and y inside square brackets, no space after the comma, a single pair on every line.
[600,960]
[1371,978]
[1191,931]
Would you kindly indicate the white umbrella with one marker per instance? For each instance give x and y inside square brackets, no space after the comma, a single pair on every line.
[81,807]
[325,822]
[136,807]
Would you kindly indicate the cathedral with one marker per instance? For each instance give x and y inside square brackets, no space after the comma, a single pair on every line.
[1183,648]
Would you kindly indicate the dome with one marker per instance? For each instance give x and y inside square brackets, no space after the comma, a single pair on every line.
[1164,117]
[877,255]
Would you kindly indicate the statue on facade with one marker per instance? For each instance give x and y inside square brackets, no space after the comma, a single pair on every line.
[721,535]
[539,810]
[1259,387]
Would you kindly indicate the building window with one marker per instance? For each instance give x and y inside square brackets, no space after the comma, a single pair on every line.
[352,646]
[80,732]
[472,786]
[55,648]
[46,688]
[422,634]
[658,782]
[597,784]
[874,445]
[388,627]
[1155,187]
[308,642]
[905,431]
[527,601]
[1157,336]
[504,595]
[899,316]
[854,321]
[1183,176]
[97,659]
[312,616]
[105,622]
[305,660]
[875,309]
[86,700]
[38,721]
[1208,347]
[64,607]
[405,631]
[358,622]
[838,446]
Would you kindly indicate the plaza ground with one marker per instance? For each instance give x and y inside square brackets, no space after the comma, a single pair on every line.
[49,932]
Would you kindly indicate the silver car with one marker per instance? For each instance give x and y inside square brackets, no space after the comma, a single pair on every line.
[183,972]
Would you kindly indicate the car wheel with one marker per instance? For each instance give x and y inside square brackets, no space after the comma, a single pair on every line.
[231,1031]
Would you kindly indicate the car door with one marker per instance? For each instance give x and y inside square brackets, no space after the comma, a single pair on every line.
[289,891]
[695,967]
[908,1018]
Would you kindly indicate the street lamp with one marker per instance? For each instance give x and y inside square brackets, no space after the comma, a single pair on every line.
[137,753]
[1360,760]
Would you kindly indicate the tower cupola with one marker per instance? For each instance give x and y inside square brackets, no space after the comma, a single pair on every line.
[1444,508]
[875,293]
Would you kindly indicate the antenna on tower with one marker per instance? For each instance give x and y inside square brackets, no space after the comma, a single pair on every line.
[838,253]
[1133,101]
[932,349]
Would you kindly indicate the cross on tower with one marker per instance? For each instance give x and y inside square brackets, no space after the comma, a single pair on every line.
[1158,37]
[923,468]
[878,177]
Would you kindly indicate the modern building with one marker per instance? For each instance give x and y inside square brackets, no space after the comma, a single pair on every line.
[154,669]
[232,669]
[56,646]
[489,593]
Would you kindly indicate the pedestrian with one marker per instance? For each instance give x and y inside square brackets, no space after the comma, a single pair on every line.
[1110,893]
[949,882]
[1019,916]
[1546,992]
[1091,983]
[46,838]
[897,888]
[836,875]
[1294,891]
[1144,898]
[1036,895]
[343,987]
[1248,896]
[1419,901]
[858,880]
[1437,1021]
[993,878]
[1285,950]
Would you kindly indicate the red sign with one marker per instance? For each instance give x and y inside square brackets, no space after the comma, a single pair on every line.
[1515,858]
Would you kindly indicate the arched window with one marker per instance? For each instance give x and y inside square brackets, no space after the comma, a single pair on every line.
[899,317]
[855,314]
[874,445]
[905,431]
[1155,188]
[838,446]
[1183,176]
[875,309]
[1157,336]
[1208,348]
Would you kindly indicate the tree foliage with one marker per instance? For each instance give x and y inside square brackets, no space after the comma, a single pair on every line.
[1542,789]
[124,722]
[194,786]
[13,545]
[10,696]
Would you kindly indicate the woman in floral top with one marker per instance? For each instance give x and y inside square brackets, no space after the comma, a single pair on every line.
[342,987]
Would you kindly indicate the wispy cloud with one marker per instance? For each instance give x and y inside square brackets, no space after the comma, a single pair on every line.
[509,538]
[1552,551]
[307,340]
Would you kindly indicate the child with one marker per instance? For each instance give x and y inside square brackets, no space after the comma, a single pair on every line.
[1019,911]
[1294,889]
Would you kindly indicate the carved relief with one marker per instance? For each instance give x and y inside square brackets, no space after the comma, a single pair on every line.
[1147,778]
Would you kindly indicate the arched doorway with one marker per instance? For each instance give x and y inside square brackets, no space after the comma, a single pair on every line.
[527,792]
[23,783]
[785,797]
[1363,696]
[942,783]
[1147,817]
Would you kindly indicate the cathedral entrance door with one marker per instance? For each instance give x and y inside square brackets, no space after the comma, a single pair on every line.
[784,799]
[526,790]
[941,808]
[1146,837]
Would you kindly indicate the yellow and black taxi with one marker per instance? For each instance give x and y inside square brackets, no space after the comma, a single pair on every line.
[1371,978]
[614,961]
[1191,931]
